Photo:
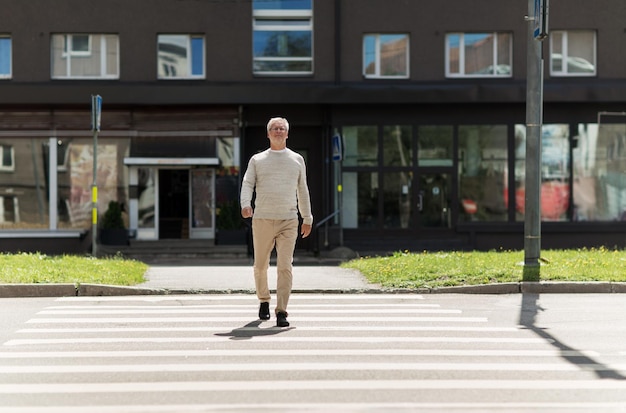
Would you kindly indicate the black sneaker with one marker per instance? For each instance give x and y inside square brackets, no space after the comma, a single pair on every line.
[281,319]
[264,311]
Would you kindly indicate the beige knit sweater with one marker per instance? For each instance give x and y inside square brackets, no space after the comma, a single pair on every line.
[279,178]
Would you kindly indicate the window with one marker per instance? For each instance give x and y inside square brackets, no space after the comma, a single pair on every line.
[573,53]
[5,57]
[599,160]
[282,37]
[85,56]
[180,56]
[435,145]
[77,45]
[7,157]
[483,172]
[361,145]
[555,172]
[479,54]
[386,55]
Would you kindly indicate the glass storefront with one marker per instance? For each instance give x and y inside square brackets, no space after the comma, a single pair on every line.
[599,172]
[483,173]
[25,181]
[24,184]
[406,177]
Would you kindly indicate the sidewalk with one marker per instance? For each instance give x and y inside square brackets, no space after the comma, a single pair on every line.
[179,277]
[240,278]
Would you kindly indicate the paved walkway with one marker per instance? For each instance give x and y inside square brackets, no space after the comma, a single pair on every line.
[180,277]
[241,278]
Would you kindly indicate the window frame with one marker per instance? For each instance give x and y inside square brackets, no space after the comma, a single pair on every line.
[190,57]
[461,47]
[377,56]
[11,149]
[9,74]
[565,53]
[284,15]
[69,40]
[68,56]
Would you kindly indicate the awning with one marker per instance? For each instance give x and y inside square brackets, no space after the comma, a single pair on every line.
[145,161]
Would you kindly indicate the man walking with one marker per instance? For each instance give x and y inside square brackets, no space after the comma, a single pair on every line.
[278,175]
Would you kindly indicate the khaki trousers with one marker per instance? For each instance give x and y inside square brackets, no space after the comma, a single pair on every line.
[267,234]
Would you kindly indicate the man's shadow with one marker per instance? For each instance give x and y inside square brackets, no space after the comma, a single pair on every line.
[253,329]
[528,318]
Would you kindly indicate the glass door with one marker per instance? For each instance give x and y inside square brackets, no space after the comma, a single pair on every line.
[434,200]
[144,191]
[202,204]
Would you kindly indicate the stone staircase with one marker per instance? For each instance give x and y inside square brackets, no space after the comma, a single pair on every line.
[186,252]
[177,249]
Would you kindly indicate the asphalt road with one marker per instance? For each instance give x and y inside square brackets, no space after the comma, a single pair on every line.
[342,353]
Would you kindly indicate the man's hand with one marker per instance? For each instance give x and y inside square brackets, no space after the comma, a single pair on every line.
[305,231]
[247,212]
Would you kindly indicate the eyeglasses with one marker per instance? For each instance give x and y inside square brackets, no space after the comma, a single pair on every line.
[278,129]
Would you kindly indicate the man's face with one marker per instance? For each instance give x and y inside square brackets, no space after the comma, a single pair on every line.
[278,134]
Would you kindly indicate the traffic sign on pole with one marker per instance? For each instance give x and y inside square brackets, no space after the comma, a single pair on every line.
[540,31]
[96,112]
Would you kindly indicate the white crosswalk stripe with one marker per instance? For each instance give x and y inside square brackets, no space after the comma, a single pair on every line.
[344,353]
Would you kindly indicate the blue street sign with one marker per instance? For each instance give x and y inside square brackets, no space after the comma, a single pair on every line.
[96,112]
[541,19]
[337,148]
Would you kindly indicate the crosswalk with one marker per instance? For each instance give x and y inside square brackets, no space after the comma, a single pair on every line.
[343,353]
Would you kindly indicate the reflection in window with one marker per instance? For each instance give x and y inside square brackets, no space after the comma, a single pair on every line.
[483,173]
[386,55]
[85,56]
[573,53]
[227,176]
[479,54]
[180,56]
[23,200]
[555,176]
[146,193]
[202,184]
[361,146]
[599,161]
[434,146]
[282,37]
[360,200]
[5,57]
[397,144]
[397,199]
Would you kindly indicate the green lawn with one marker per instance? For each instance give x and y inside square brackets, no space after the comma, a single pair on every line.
[444,269]
[400,270]
[39,268]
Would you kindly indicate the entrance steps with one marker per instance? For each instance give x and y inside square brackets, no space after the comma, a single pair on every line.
[186,252]
[177,250]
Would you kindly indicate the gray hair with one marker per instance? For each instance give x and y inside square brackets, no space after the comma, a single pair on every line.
[273,120]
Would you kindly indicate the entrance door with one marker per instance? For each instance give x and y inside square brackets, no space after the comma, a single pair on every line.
[173,203]
[434,200]
[414,201]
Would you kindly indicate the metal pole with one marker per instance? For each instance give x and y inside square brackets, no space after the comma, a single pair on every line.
[94,196]
[534,121]
[96,109]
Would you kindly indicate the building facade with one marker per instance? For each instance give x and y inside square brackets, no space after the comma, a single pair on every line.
[411,116]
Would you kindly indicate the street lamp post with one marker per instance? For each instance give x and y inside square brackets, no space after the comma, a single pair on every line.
[537,23]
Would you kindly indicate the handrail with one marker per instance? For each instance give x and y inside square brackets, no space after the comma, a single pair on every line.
[319,224]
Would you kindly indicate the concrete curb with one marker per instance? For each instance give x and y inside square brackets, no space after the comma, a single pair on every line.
[87,290]
[37,290]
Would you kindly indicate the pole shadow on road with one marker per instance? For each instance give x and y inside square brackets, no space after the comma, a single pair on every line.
[530,310]
[253,329]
